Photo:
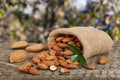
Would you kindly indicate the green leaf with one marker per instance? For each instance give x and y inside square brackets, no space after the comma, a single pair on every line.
[74,58]
[78,56]
[82,60]
[73,49]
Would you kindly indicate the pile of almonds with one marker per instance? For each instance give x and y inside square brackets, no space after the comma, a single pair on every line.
[49,60]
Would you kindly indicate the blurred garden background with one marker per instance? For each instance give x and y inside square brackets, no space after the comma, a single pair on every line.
[33,20]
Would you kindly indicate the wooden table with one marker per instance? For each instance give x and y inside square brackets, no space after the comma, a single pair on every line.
[109,71]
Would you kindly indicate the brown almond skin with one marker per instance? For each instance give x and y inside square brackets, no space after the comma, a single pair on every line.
[35,47]
[103,60]
[62,45]
[59,39]
[56,62]
[18,56]
[50,58]
[64,70]
[33,71]
[70,66]
[89,66]
[36,60]
[48,63]
[67,39]
[57,48]
[71,42]
[60,57]
[42,66]
[25,67]
[62,62]
[19,44]
[78,44]
[68,61]
[51,44]
[68,53]
[58,54]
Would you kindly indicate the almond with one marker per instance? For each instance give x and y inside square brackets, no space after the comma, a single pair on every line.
[57,48]
[56,62]
[33,71]
[89,66]
[70,66]
[25,67]
[48,63]
[35,47]
[62,45]
[50,58]
[76,63]
[51,53]
[71,42]
[62,62]
[51,44]
[78,44]
[42,66]
[58,54]
[68,61]
[36,60]
[60,57]
[67,39]
[64,70]
[19,44]
[103,60]
[18,56]
[68,53]
[59,39]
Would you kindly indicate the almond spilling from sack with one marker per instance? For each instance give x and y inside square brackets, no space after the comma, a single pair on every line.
[33,70]
[18,56]
[103,60]
[42,66]
[19,44]
[64,70]
[35,47]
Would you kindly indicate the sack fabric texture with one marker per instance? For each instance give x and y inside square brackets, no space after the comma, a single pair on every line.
[93,41]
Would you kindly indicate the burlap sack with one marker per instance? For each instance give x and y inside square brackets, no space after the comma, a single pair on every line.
[94,41]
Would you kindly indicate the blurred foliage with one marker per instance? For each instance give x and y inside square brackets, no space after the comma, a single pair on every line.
[33,20]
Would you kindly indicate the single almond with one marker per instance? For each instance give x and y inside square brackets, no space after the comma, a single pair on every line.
[70,66]
[18,56]
[25,67]
[51,44]
[53,68]
[19,44]
[89,66]
[57,48]
[64,70]
[62,45]
[67,39]
[103,60]
[50,58]
[78,44]
[42,66]
[76,63]
[36,59]
[69,61]
[33,70]
[71,42]
[56,62]
[59,39]
[48,63]
[68,53]
[58,54]
[60,57]
[35,47]
[62,62]
[51,53]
